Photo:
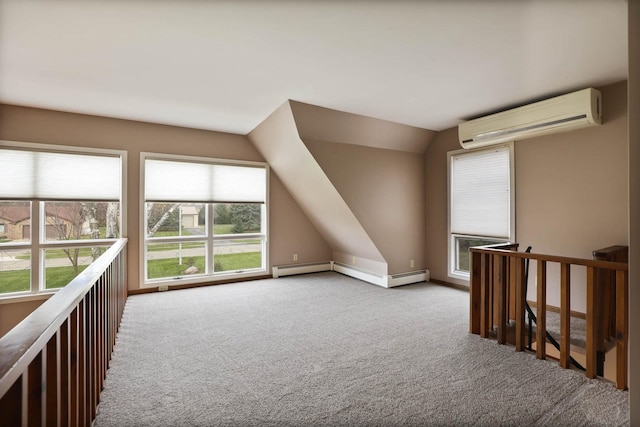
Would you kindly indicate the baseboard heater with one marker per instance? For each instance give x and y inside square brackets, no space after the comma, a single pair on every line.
[291,269]
[384,280]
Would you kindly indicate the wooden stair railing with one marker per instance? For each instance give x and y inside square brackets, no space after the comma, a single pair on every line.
[497,295]
[53,364]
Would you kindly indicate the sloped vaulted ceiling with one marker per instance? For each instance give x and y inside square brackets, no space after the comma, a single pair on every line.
[359,226]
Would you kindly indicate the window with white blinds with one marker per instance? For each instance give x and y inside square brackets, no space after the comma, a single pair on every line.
[61,207]
[202,219]
[480,200]
[481,193]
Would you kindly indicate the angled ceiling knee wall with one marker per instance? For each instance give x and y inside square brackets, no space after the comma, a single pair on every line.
[359,180]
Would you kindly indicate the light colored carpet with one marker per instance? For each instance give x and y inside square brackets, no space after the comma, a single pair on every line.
[325,349]
[577,328]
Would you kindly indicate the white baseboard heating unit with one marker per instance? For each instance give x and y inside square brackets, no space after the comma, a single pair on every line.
[407,278]
[291,269]
[384,280]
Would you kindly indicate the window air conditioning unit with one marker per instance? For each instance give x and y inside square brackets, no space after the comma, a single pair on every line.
[565,112]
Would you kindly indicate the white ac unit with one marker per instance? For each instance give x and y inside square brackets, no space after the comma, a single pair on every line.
[565,112]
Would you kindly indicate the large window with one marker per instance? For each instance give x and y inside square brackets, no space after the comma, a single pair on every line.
[481,202]
[60,209]
[203,218]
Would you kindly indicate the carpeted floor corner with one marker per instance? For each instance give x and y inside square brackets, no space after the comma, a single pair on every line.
[328,350]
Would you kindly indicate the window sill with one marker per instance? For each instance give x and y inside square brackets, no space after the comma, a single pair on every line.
[201,279]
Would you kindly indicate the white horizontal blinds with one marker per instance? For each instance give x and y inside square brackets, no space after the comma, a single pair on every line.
[239,184]
[59,176]
[184,181]
[17,174]
[480,193]
[172,181]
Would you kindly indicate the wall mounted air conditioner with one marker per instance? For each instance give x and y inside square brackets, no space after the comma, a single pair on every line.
[565,112]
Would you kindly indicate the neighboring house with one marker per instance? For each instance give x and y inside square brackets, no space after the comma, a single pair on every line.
[62,222]
[189,215]
[13,220]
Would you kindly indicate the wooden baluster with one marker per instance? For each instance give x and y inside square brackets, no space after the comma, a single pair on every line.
[520,299]
[591,324]
[35,390]
[9,404]
[103,319]
[565,315]
[485,301]
[82,361]
[510,276]
[500,272]
[74,365]
[65,376]
[474,292]
[541,331]
[622,331]
[92,403]
[86,358]
[52,389]
[24,399]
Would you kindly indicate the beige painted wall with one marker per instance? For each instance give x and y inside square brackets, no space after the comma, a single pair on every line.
[385,191]
[290,231]
[278,140]
[437,204]
[324,124]
[571,192]
[11,314]
[288,225]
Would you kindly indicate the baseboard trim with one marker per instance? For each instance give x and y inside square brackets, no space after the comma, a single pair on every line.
[450,285]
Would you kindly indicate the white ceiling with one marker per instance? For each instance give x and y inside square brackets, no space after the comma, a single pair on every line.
[225,65]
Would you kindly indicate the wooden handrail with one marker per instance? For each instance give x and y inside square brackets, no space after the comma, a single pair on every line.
[607,265]
[497,295]
[53,363]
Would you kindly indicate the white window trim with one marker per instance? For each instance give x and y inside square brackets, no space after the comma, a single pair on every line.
[451,248]
[205,278]
[37,244]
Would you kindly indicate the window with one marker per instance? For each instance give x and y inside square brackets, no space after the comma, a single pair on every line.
[481,201]
[203,218]
[61,209]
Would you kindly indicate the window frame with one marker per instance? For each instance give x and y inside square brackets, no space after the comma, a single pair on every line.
[209,275]
[452,238]
[38,242]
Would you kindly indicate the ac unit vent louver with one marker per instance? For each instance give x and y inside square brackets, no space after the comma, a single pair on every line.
[566,112]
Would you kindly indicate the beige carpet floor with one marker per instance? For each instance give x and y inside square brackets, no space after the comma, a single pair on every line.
[327,350]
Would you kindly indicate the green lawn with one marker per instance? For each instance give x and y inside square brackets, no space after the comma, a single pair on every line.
[56,277]
[222,228]
[170,267]
[14,281]
[18,280]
